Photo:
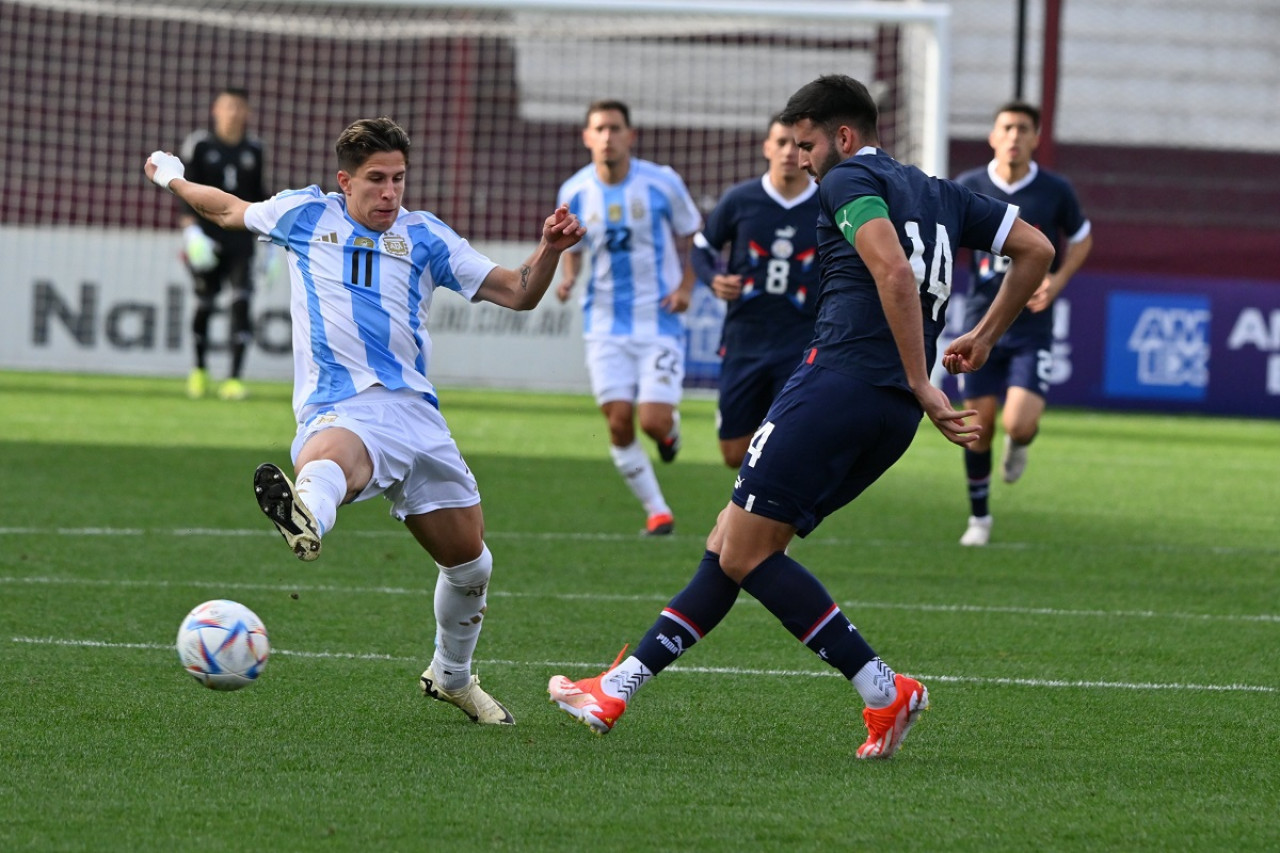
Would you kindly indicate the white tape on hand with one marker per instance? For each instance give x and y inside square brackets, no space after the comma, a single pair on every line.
[167,166]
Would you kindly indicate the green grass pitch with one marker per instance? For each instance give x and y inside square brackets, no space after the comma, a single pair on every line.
[1105,675]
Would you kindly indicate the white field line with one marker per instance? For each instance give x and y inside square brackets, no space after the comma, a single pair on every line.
[499,535]
[851,605]
[708,670]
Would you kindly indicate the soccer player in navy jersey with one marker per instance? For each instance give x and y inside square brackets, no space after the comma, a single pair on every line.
[887,236]
[769,279]
[228,157]
[1020,365]
[363,270]
[640,222]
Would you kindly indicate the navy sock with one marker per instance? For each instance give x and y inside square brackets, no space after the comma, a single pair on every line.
[690,616]
[803,605]
[978,467]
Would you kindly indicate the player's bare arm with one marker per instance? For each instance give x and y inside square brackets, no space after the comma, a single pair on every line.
[1056,281]
[522,288]
[221,208]
[569,266]
[1031,253]
[878,246]
[677,301]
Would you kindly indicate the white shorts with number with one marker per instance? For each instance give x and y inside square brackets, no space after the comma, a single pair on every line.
[416,464]
[637,370]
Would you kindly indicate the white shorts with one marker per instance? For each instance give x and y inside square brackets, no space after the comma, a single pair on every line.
[636,370]
[416,464]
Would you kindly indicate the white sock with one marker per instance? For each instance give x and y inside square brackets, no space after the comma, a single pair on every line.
[675,424]
[625,679]
[321,486]
[633,464]
[875,684]
[459,607]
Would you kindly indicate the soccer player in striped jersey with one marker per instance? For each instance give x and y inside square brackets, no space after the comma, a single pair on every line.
[1020,365]
[769,279]
[640,222]
[887,234]
[363,271]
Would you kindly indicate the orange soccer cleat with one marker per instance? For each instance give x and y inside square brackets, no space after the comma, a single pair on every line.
[586,702]
[887,727]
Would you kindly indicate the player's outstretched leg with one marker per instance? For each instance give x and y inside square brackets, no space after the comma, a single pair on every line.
[472,699]
[275,494]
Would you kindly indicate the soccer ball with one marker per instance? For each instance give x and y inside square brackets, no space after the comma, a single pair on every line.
[223,644]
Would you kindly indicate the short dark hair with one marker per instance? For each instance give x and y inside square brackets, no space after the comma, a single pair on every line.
[1020,107]
[235,92]
[369,136]
[607,104]
[833,100]
[776,118]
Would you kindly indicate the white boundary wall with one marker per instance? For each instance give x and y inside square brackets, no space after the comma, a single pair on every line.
[84,299]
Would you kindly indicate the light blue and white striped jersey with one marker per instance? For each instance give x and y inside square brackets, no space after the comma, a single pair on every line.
[631,246]
[360,298]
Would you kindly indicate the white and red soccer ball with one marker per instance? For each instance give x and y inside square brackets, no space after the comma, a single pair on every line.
[223,644]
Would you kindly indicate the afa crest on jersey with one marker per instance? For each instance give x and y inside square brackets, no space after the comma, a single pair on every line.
[394,244]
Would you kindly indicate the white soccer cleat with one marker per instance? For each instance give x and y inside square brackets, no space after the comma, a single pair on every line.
[472,700]
[979,531]
[1014,460]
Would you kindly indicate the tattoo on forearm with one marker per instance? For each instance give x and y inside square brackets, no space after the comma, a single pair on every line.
[525,271]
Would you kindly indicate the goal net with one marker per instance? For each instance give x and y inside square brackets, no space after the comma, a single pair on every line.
[493,94]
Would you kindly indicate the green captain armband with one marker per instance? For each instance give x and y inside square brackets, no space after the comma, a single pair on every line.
[858,212]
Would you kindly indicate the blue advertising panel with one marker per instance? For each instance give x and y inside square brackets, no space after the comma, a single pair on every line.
[1156,346]
[1162,344]
[703,322]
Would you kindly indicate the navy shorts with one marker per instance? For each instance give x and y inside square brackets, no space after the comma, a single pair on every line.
[825,439]
[1026,367]
[748,385]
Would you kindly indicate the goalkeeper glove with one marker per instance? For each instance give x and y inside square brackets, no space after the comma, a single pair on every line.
[167,166]
[200,249]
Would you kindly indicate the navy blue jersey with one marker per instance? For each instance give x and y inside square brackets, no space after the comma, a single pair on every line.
[1048,202]
[933,217]
[236,169]
[773,246]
